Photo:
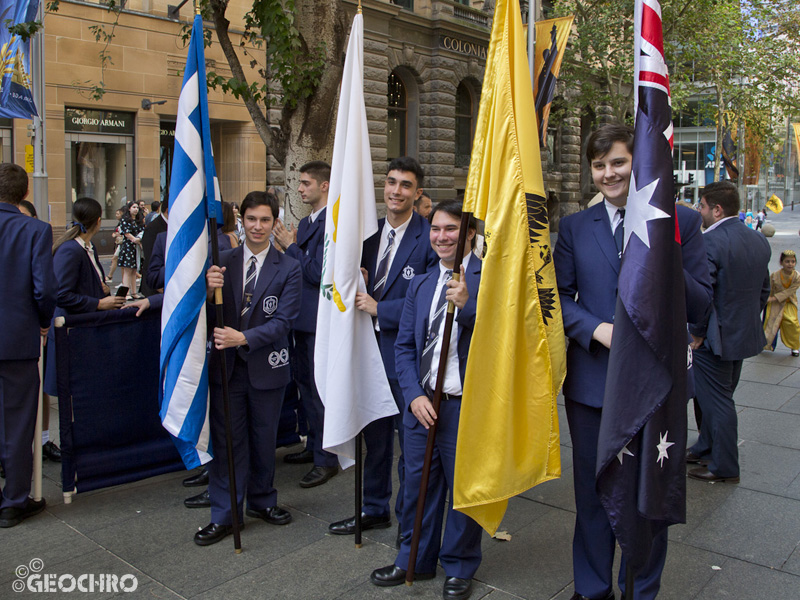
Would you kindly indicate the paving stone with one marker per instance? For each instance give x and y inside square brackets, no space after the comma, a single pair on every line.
[768,427]
[537,562]
[792,405]
[558,493]
[753,526]
[762,395]
[792,381]
[702,499]
[766,468]
[739,579]
[687,571]
[765,373]
[793,564]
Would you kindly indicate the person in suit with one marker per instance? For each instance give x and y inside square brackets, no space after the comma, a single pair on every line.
[27,299]
[587,259]
[156,225]
[306,244]
[261,298]
[422,325]
[738,260]
[391,258]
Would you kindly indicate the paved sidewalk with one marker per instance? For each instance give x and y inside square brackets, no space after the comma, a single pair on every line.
[740,542]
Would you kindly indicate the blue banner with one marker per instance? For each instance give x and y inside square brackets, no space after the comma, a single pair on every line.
[16,97]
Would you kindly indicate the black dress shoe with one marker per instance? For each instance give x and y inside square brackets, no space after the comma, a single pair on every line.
[348,526]
[11,515]
[273,515]
[199,501]
[609,596]
[318,476]
[456,588]
[393,575]
[400,537]
[198,480]
[694,459]
[703,474]
[299,458]
[212,533]
[51,451]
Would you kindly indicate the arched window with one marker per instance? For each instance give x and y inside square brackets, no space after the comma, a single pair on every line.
[397,126]
[464,125]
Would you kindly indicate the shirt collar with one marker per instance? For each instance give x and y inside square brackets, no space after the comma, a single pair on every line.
[313,216]
[611,209]
[464,262]
[714,225]
[260,257]
[400,228]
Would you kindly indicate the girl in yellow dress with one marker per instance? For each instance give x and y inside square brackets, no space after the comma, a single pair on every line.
[782,305]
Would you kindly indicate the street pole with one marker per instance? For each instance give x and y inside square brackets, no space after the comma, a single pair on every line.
[532,38]
[40,200]
[740,163]
[787,156]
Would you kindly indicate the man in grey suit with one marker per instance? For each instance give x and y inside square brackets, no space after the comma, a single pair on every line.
[731,331]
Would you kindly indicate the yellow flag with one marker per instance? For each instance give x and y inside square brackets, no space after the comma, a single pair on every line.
[508,436]
[551,42]
[774,204]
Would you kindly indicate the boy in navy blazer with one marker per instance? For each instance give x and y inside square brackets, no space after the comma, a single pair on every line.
[306,244]
[421,328]
[27,299]
[261,299]
[392,257]
[587,260]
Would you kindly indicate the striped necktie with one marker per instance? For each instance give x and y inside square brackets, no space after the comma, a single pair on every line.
[383,268]
[249,287]
[426,362]
[619,232]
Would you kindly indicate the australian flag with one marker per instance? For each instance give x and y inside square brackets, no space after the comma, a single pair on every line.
[641,476]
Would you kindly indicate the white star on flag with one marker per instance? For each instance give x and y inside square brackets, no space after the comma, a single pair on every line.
[639,211]
[623,451]
[662,448]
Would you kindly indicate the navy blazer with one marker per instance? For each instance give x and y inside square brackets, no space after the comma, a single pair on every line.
[275,305]
[79,287]
[154,274]
[308,250]
[414,331]
[414,256]
[587,268]
[28,290]
[737,259]
[151,231]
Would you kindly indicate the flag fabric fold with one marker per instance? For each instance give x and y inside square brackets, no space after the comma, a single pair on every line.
[641,475]
[551,42]
[348,369]
[517,362]
[194,198]
[774,203]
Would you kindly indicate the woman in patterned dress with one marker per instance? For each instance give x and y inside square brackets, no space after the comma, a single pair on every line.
[130,227]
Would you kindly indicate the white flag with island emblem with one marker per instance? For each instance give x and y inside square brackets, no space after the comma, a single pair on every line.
[348,368]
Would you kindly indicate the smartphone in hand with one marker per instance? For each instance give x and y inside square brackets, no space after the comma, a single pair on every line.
[122,291]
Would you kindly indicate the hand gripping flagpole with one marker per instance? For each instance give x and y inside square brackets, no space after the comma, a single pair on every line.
[437,398]
[223,365]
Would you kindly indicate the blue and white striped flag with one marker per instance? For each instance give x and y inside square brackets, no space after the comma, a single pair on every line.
[194,198]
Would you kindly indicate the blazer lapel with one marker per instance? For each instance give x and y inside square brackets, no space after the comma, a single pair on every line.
[306,230]
[265,277]
[602,233]
[234,269]
[426,292]
[403,251]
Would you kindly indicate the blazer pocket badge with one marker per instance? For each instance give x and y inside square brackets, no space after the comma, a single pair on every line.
[408,272]
[278,358]
[270,305]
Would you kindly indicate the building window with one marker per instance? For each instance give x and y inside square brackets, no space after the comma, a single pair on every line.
[397,134]
[464,125]
[407,4]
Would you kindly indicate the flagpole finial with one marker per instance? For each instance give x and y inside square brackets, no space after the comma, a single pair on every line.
[358,10]
[196,8]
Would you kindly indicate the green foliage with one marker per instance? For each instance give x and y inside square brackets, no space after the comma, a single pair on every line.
[102,34]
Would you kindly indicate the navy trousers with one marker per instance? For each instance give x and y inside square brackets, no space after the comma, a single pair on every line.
[254,426]
[19,401]
[309,396]
[459,551]
[593,544]
[379,439]
[715,380]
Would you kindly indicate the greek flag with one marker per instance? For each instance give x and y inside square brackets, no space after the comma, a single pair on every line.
[194,198]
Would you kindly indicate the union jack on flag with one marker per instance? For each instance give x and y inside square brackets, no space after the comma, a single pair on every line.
[640,460]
